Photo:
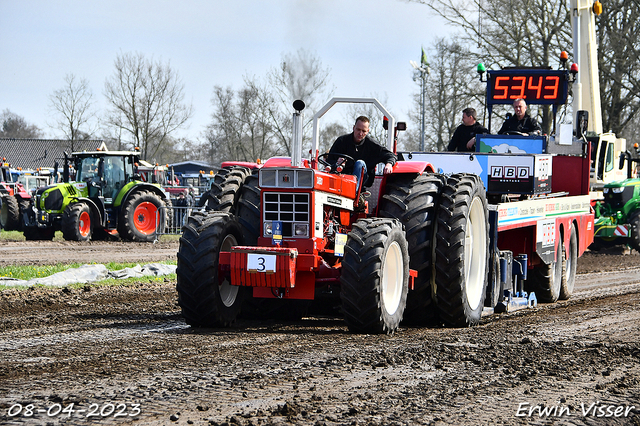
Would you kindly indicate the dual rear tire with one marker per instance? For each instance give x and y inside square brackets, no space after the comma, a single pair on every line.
[461,251]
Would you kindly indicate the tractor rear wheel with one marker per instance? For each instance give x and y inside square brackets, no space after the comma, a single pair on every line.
[206,298]
[77,222]
[634,230]
[412,200]
[10,214]
[569,265]
[225,188]
[546,280]
[139,216]
[461,262]
[248,210]
[375,276]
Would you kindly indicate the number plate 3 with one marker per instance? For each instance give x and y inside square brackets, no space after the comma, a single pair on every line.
[261,262]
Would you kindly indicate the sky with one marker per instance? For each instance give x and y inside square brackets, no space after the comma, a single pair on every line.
[366,44]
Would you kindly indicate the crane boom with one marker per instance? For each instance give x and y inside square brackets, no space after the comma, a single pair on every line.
[586,89]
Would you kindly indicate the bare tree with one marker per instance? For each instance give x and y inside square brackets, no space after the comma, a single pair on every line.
[619,63]
[451,86]
[255,121]
[147,101]
[15,126]
[73,107]
[242,128]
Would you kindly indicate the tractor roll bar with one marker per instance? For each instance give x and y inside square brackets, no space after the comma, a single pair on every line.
[332,102]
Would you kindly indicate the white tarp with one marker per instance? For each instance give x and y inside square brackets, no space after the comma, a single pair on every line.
[89,273]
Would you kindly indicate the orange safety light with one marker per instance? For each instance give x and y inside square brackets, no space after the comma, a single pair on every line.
[597,8]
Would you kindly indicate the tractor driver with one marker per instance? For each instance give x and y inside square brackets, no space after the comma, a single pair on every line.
[365,151]
[520,122]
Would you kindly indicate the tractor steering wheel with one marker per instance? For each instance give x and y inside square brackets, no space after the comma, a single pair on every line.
[325,162]
[515,132]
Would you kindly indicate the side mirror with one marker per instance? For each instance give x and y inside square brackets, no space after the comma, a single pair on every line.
[401,126]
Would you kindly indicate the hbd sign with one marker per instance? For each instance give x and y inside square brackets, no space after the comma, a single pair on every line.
[510,172]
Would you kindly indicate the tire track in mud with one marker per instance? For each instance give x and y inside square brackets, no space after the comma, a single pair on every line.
[134,348]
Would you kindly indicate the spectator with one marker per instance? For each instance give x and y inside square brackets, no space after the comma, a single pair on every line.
[520,122]
[464,138]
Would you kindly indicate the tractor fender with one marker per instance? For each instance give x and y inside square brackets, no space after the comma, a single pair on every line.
[96,210]
[246,164]
[413,167]
[135,186]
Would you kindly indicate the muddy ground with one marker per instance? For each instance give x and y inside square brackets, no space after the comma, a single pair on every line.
[121,355]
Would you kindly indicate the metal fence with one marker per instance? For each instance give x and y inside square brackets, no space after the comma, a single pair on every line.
[176,219]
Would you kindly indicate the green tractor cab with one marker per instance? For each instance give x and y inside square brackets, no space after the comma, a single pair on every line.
[102,194]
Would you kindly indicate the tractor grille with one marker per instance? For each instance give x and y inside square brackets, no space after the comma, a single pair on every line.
[618,200]
[290,208]
[53,200]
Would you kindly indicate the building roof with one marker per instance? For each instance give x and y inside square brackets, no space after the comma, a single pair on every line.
[34,153]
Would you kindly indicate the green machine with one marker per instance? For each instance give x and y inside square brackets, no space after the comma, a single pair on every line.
[106,196]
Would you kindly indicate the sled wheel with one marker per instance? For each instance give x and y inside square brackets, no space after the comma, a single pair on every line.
[77,222]
[546,280]
[375,276]
[569,265]
[138,218]
[10,214]
[206,298]
[461,251]
[412,200]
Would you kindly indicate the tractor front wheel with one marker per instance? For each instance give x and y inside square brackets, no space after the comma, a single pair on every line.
[9,214]
[634,231]
[375,276]
[139,217]
[77,222]
[207,299]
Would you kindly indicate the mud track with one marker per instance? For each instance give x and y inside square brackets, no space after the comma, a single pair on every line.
[124,355]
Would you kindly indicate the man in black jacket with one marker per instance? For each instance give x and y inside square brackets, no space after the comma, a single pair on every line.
[464,138]
[365,151]
[520,122]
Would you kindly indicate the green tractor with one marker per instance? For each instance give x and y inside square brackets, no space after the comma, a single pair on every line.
[618,216]
[107,196]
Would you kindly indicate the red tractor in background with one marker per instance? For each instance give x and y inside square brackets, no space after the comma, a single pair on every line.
[13,199]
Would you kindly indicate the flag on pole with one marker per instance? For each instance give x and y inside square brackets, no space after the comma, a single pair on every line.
[423,58]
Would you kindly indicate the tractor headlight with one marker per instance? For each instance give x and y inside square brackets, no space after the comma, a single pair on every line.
[605,190]
[618,190]
[268,228]
[301,229]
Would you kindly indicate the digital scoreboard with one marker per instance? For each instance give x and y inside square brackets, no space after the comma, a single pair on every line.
[535,86]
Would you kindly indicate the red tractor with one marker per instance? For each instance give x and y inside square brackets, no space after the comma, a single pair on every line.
[289,231]
[13,199]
